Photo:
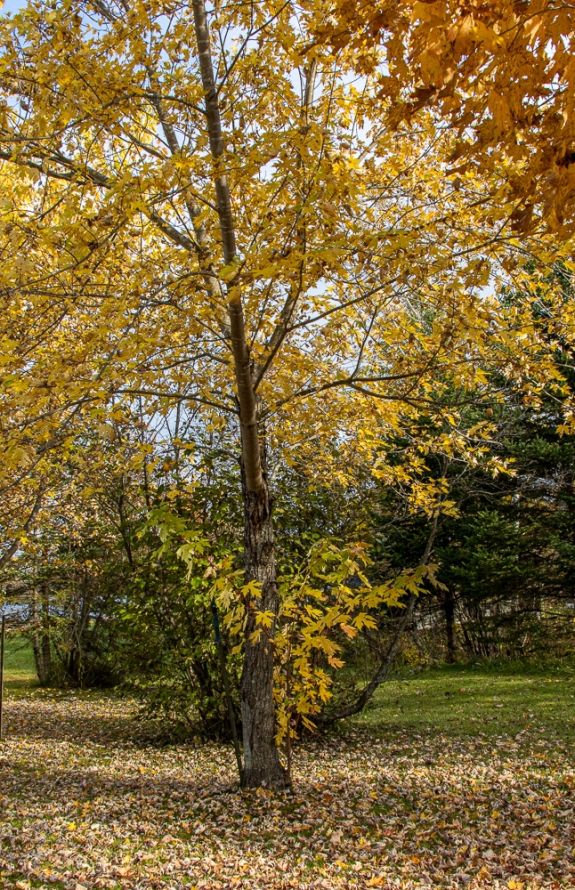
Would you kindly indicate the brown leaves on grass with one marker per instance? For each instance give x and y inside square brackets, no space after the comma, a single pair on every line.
[85,806]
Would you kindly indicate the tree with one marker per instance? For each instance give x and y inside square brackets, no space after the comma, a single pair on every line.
[206,213]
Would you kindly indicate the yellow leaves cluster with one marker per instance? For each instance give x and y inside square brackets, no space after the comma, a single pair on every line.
[364,254]
[327,600]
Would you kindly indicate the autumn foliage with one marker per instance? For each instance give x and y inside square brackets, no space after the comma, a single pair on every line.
[501,75]
[288,238]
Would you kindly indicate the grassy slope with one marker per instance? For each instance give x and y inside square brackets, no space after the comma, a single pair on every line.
[479,699]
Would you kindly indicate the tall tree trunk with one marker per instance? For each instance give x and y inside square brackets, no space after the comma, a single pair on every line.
[261,759]
[41,645]
[449,614]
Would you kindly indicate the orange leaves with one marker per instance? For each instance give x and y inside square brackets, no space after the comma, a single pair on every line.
[511,62]
[349,631]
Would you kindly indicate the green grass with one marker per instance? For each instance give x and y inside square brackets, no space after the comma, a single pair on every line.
[19,671]
[480,699]
[486,699]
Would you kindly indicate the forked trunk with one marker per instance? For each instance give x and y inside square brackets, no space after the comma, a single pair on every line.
[261,758]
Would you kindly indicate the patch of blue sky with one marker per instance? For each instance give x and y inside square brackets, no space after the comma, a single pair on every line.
[12,6]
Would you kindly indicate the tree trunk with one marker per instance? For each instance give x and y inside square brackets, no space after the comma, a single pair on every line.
[261,758]
[449,613]
[41,645]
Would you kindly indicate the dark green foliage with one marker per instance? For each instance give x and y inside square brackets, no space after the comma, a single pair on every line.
[506,560]
[168,648]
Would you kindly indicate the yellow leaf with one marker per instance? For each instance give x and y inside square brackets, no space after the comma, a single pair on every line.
[229,272]
[431,68]
[426,12]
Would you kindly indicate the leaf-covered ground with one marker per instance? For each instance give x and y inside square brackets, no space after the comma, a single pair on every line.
[401,803]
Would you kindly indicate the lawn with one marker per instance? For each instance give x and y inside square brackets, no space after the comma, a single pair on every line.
[479,699]
[460,778]
[19,672]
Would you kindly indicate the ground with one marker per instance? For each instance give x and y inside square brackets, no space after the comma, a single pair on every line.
[458,778]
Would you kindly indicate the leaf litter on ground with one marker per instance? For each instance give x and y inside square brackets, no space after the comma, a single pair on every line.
[86,802]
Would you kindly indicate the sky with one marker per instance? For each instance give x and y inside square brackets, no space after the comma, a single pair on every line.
[12,5]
